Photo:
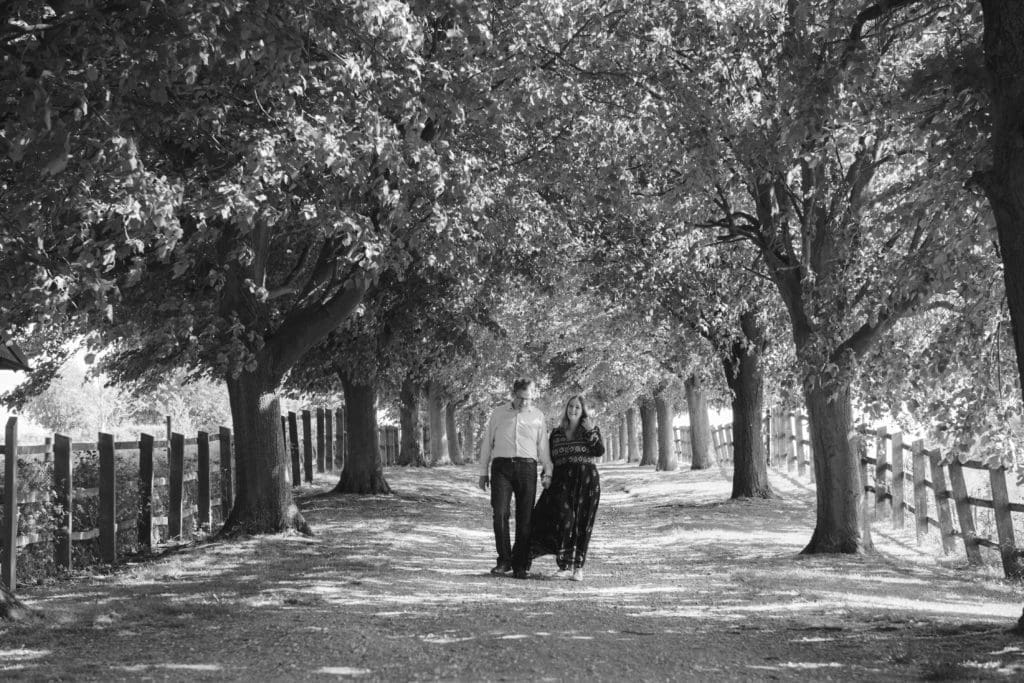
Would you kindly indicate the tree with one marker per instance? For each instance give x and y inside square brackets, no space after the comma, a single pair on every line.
[252,171]
[745,377]
[411,449]
[853,232]
[649,429]
[700,425]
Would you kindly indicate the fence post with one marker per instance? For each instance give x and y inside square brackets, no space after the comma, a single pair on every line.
[942,502]
[329,439]
[176,484]
[10,531]
[203,472]
[898,490]
[227,488]
[293,444]
[883,473]
[920,489]
[108,499]
[860,446]
[319,439]
[307,444]
[62,488]
[1004,524]
[964,513]
[146,490]
[715,439]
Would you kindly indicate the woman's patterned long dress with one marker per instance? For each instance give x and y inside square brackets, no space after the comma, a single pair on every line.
[564,515]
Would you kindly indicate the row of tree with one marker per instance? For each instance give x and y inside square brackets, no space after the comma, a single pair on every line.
[411,201]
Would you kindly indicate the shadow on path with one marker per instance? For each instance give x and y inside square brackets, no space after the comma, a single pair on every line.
[681,584]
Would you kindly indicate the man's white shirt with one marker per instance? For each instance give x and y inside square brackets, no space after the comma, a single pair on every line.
[515,434]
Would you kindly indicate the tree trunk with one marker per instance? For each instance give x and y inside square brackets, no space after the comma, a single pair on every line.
[410,453]
[1004,182]
[700,425]
[840,492]
[623,452]
[649,427]
[745,378]
[438,431]
[632,450]
[363,471]
[470,453]
[666,441]
[263,493]
[12,609]
[452,432]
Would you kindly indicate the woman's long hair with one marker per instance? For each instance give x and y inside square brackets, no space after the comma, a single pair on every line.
[585,423]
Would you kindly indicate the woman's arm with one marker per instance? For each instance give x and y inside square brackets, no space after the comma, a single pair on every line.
[596,443]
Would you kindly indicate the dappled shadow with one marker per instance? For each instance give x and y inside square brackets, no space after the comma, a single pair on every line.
[681,583]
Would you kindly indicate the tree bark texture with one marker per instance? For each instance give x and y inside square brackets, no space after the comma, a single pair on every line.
[649,427]
[745,377]
[623,439]
[1004,181]
[435,422]
[633,451]
[468,438]
[700,425]
[452,434]
[410,451]
[263,493]
[666,439]
[364,472]
[840,492]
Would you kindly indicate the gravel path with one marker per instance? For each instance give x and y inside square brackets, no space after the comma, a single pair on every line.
[681,584]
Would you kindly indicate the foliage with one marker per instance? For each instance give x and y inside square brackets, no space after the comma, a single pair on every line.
[35,477]
[79,404]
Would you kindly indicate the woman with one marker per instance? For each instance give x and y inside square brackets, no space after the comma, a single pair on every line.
[564,515]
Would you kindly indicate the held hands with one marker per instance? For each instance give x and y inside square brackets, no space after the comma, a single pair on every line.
[545,480]
[484,482]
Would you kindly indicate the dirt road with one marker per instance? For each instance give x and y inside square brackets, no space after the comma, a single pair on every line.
[681,584]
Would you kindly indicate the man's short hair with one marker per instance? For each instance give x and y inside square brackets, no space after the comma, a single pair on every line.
[521,383]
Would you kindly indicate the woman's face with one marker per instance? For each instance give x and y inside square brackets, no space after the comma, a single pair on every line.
[574,409]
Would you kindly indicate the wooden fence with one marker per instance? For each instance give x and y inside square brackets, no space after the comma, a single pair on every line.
[904,480]
[64,494]
[320,446]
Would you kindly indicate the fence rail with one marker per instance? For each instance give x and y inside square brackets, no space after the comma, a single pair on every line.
[934,483]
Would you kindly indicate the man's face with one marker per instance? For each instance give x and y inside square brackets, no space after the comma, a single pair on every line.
[526,396]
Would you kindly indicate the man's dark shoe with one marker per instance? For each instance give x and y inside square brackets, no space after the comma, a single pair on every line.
[520,574]
[501,568]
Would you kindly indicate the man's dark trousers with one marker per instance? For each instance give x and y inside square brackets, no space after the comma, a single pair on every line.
[513,476]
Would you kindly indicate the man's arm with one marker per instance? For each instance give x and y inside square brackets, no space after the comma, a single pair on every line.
[486,445]
[543,452]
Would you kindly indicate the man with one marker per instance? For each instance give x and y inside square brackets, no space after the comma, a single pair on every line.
[515,441]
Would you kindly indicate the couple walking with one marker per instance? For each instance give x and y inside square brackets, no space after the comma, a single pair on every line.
[513,446]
